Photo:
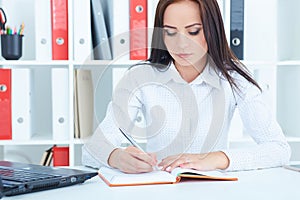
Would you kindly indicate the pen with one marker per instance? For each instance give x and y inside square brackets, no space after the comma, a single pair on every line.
[21,29]
[134,143]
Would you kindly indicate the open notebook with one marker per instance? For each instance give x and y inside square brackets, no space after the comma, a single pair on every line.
[114,177]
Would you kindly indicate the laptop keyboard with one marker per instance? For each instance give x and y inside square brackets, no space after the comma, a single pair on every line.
[24,176]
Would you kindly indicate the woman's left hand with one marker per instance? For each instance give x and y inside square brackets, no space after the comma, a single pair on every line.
[203,162]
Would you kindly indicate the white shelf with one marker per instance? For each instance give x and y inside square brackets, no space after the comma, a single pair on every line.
[258,63]
[33,142]
[33,63]
[106,62]
[79,141]
[289,63]
[293,139]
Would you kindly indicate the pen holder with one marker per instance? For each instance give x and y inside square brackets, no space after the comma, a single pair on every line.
[11,46]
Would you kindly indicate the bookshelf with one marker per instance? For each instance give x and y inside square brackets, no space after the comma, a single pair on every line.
[288,71]
[41,112]
[31,150]
[270,69]
[275,63]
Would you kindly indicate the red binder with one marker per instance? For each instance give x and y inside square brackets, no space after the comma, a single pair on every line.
[60,156]
[59,28]
[5,105]
[138,30]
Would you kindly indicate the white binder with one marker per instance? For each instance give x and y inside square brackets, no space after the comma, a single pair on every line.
[82,30]
[116,13]
[21,104]
[222,7]
[43,41]
[60,103]
[151,12]
[261,37]
[151,16]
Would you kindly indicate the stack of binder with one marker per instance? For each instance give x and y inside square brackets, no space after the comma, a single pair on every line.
[58,156]
[15,104]
[52,30]
[126,25]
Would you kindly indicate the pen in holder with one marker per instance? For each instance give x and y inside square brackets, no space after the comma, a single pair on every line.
[11,46]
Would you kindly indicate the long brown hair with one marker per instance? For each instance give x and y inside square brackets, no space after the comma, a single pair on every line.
[214,32]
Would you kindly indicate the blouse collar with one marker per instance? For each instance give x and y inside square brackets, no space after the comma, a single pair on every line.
[209,76]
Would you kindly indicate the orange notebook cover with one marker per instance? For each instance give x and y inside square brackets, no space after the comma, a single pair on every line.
[5,105]
[59,28]
[138,30]
[114,177]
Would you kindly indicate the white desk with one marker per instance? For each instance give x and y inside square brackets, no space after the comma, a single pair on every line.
[275,183]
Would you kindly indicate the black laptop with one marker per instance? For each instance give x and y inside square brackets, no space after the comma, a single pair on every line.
[20,178]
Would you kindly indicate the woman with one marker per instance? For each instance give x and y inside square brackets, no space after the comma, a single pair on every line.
[198,82]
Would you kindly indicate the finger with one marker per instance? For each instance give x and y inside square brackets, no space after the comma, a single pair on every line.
[177,163]
[141,155]
[168,160]
[197,166]
[205,164]
[153,156]
[144,157]
[132,149]
[131,164]
[190,165]
[140,165]
[171,162]
[184,158]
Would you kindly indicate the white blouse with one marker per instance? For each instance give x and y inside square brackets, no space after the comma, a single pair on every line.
[172,116]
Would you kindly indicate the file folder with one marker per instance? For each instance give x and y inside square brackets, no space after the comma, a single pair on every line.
[138,30]
[60,156]
[261,39]
[237,28]
[100,40]
[5,104]
[21,104]
[47,157]
[43,42]
[75,97]
[116,15]
[59,28]
[222,7]
[82,30]
[151,5]
[84,103]
[60,103]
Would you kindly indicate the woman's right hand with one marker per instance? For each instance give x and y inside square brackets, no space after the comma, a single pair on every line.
[132,160]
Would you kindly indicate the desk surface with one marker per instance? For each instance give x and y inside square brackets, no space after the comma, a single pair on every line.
[275,183]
